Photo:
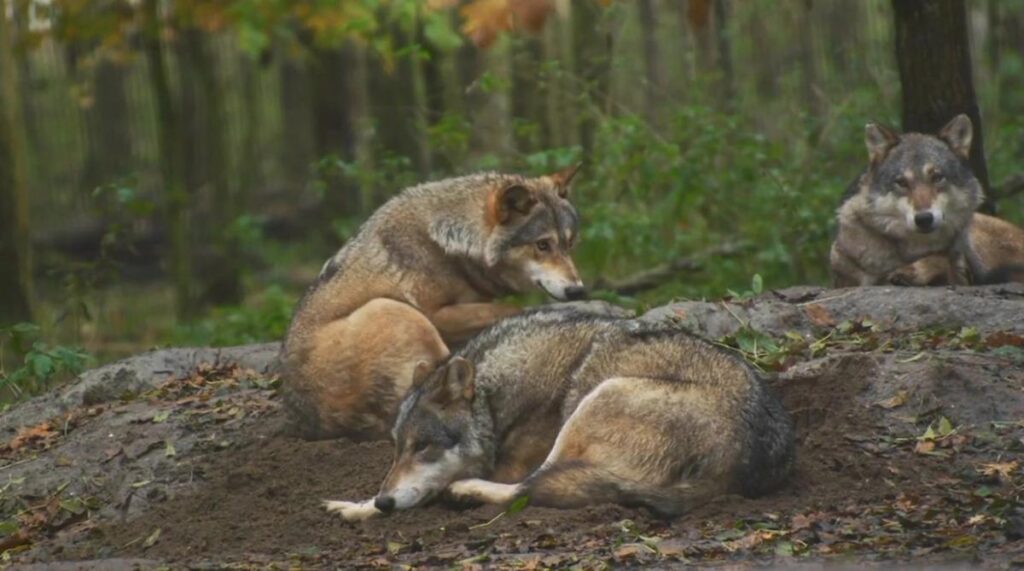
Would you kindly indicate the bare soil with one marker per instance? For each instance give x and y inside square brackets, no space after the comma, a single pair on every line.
[904,455]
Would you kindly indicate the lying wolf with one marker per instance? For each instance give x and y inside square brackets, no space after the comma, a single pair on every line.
[916,199]
[421,273]
[569,409]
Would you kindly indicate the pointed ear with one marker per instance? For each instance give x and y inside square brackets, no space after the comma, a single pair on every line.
[563,178]
[421,372]
[460,379]
[958,134]
[511,201]
[879,139]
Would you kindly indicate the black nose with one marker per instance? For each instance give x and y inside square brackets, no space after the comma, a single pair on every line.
[924,220]
[575,293]
[384,503]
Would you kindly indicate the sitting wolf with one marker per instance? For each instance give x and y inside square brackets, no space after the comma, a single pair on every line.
[421,273]
[570,409]
[916,199]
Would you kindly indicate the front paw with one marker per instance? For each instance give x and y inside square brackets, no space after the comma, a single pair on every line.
[483,491]
[905,277]
[352,511]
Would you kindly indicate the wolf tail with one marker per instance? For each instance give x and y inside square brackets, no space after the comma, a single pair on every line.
[1000,275]
[576,483]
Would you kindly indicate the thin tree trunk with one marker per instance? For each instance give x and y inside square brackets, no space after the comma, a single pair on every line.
[15,249]
[649,38]
[592,48]
[220,277]
[109,138]
[296,121]
[171,158]
[527,95]
[723,46]
[933,54]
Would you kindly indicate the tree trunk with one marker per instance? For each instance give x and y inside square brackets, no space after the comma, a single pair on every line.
[649,37]
[171,158]
[109,138]
[333,133]
[219,275]
[15,251]
[592,48]
[723,45]
[933,54]
[296,121]
[528,95]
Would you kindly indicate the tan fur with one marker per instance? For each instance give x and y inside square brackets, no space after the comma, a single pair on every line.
[422,273]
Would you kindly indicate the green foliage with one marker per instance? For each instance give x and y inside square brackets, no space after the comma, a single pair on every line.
[263,319]
[37,364]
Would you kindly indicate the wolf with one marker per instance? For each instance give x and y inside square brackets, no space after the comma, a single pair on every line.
[421,273]
[916,199]
[570,409]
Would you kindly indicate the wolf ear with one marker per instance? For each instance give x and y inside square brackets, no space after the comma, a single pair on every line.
[513,200]
[879,139]
[420,373]
[958,134]
[563,178]
[460,380]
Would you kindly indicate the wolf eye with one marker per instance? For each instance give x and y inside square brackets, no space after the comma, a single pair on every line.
[938,177]
[902,183]
[544,245]
[420,446]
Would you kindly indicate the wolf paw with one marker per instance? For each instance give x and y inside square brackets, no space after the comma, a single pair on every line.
[352,511]
[483,491]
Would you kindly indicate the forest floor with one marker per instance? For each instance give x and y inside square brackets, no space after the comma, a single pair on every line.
[909,408]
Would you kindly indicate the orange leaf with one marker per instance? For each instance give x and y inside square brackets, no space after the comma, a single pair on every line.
[819,315]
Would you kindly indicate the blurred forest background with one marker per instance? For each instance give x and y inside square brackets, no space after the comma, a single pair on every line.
[187,165]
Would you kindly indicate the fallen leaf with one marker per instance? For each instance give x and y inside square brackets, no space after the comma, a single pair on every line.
[1001,469]
[925,447]
[152,539]
[897,400]
[819,315]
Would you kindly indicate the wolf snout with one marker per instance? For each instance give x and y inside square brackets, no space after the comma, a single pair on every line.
[575,293]
[385,504]
[925,221]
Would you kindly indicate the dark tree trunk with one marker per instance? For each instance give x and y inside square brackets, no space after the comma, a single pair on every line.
[333,134]
[15,251]
[805,23]
[171,156]
[396,107]
[592,48]
[933,54]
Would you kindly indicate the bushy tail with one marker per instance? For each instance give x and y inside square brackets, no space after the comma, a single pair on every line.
[575,484]
[1000,275]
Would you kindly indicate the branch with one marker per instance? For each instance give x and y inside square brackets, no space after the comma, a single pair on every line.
[1009,187]
[662,273]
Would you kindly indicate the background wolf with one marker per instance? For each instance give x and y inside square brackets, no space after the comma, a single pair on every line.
[572,409]
[915,204]
[421,273]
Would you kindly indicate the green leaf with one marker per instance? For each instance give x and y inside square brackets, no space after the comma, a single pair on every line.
[518,505]
[784,548]
[41,365]
[945,427]
[161,416]
[757,284]
[153,537]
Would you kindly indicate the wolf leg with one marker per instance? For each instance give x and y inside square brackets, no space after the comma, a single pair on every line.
[462,321]
[359,366]
[484,491]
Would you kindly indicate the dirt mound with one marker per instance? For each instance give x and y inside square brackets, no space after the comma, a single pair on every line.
[902,454]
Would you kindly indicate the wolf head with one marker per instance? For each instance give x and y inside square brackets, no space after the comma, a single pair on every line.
[437,437]
[531,230]
[921,183]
